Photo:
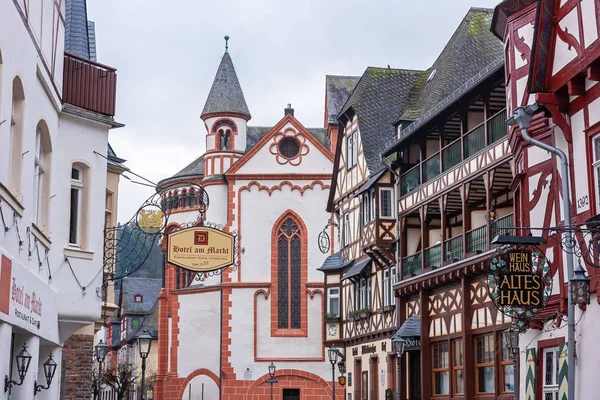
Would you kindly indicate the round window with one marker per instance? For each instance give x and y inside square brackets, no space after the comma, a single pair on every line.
[289,147]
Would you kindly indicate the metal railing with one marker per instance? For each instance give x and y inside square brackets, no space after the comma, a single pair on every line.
[503,226]
[411,265]
[454,248]
[477,239]
[433,256]
[411,180]
[474,141]
[431,167]
[451,155]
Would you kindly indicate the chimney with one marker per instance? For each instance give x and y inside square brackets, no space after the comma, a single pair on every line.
[288,110]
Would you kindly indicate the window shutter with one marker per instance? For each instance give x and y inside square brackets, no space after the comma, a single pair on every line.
[531,375]
[563,371]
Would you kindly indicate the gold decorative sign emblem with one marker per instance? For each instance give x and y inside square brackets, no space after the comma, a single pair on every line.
[201,249]
[151,219]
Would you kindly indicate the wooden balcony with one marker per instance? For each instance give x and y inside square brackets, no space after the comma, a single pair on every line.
[89,85]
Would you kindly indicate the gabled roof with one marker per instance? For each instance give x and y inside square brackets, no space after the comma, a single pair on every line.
[226,94]
[470,49]
[377,99]
[337,90]
[146,287]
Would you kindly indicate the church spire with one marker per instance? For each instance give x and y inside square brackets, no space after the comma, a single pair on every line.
[226,94]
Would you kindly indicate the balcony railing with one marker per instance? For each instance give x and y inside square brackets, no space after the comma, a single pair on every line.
[454,248]
[474,141]
[411,180]
[431,167]
[89,85]
[433,256]
[411,265]
[503,226]
[477,239]
[451,155]
[497,127]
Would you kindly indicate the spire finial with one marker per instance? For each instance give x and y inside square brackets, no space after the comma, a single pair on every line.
[226,44]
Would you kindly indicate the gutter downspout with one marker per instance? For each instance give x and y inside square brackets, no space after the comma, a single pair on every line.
[523,116]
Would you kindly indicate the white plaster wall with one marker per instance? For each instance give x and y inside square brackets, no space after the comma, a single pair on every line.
[525,32]
[382,382]
[260,211]
[217,206]
[199,332]
[582,196]
[201,387]
[590,25]
[563,52]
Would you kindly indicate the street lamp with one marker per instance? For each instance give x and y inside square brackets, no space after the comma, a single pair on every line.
[144,342]
[398,346]
[511,338]
[100,353]
[49,370]
[342,369]
[272,380]
[580,287]
[332,352]
[23,360]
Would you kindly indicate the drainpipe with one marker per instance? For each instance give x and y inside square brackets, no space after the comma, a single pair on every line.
[523,117]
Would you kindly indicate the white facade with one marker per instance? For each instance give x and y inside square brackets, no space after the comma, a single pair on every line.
[49,286]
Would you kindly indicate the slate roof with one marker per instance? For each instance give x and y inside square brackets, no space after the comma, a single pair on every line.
[411,327]
[470,49]
[77,40]
[332,263]
[148,288]
[377,99]
[338,89]
[92,39]
[113,159]
[226,93]
[357,268]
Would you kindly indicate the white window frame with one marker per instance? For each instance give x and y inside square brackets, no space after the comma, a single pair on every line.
[372,204]
[333,294]
[596,166]
[356,296]
[368,302]
[351,150]
[552,387]
[391,192]
[346,233]
[76,184]
[38,177]
[386,285]
[363,293]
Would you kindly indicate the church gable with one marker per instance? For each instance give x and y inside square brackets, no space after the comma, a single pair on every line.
[288,148]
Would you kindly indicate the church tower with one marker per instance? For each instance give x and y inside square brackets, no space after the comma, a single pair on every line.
[225,116]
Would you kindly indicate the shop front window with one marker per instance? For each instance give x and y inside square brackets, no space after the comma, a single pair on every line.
[484,363]
[441,374]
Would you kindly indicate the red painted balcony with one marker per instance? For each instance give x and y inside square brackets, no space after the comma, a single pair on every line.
[89,85]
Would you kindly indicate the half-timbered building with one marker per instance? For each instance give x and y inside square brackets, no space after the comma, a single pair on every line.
[552,63]
[453,160]
[219,335]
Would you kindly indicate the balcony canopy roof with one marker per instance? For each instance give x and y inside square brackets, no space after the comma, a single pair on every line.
[357,269]
[410,328]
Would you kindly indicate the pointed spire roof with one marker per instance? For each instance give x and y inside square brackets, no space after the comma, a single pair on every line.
[226,94]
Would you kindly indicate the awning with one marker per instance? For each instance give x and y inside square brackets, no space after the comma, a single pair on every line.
[370,182]
[410,328]
[357,268]
[332,263]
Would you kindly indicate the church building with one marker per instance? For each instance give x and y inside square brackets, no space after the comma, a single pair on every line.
[267,185]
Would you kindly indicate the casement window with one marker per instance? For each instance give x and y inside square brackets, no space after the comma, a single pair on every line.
[386,209]
[389,279]
[135,322]
[550,380]
[363,293]
[333,301]
[484,363]
[458,363]
[16,136]
[368,300]
[356,296]
[596,166]
[507,370]
[289,275]
[441,365]
[351,149]
[346,232]
[368,206]
[41,177]
[76,205]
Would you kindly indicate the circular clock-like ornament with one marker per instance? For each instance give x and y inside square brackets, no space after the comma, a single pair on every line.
[324,242]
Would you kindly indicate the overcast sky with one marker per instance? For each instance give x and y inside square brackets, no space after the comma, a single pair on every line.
[167,53]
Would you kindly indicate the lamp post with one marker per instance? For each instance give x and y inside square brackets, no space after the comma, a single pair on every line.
[398,346]
[100,354]
[342,377]
[511,338]
[144,342]
[272,380]
[523,117]
[49,370]
[332,352]
[23,360]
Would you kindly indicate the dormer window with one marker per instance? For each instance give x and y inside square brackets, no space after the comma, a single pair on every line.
[138,298]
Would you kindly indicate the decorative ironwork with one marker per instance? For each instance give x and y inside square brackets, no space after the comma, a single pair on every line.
[519,282]
[324,239]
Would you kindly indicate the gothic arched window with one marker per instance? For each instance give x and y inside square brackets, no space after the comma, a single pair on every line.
[289,275]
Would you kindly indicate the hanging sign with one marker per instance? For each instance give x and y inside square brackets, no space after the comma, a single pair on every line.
[519,282]
[201,249]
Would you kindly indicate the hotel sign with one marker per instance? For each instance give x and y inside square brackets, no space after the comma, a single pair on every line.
[519,282]
[201,249]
